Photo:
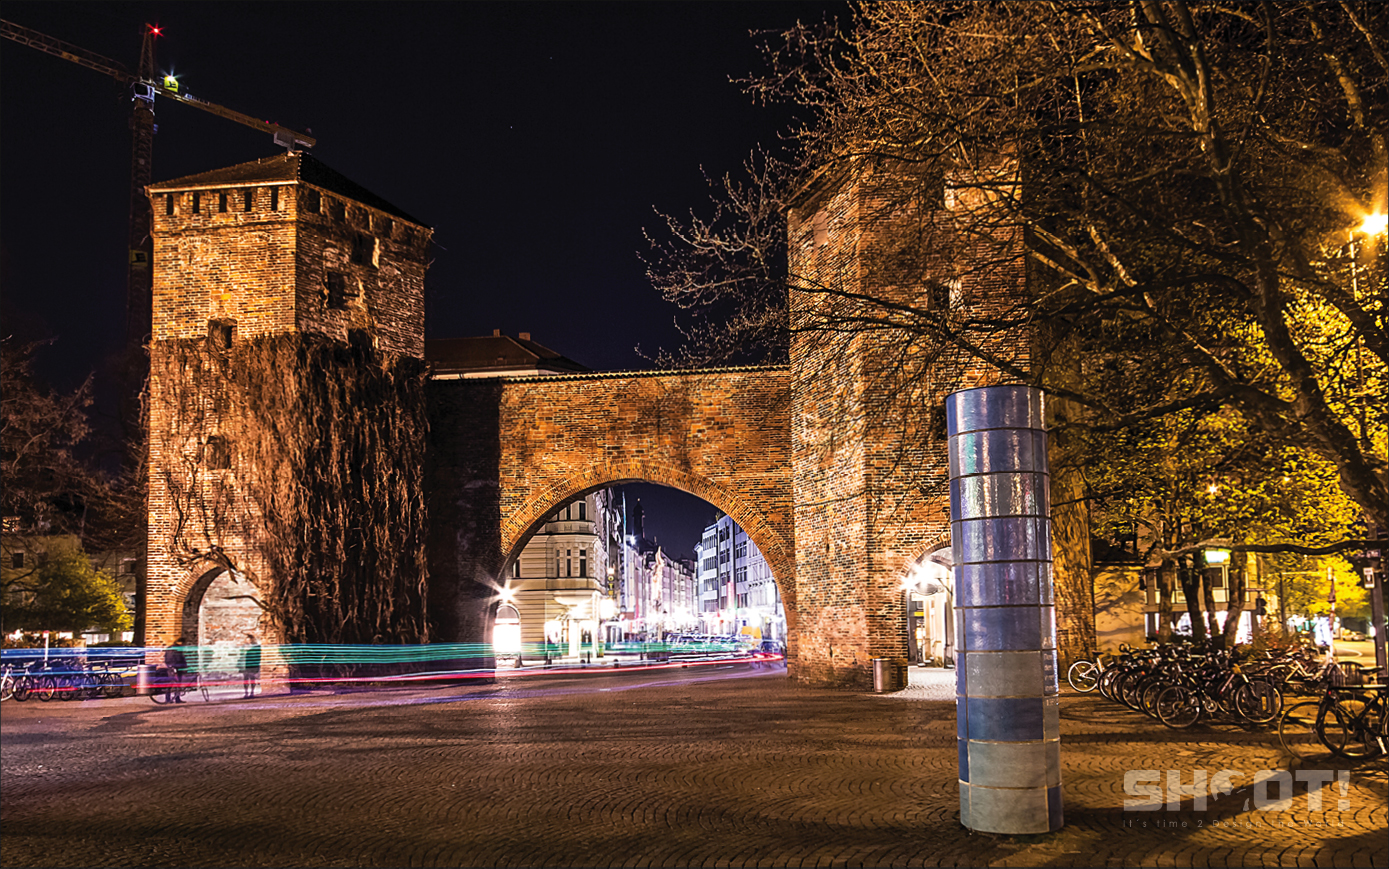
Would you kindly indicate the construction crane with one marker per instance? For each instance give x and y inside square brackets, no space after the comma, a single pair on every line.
[145,85]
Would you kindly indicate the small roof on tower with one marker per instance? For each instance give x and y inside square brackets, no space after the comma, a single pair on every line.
[289,168]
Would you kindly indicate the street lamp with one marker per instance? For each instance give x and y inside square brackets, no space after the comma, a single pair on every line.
[1372,225]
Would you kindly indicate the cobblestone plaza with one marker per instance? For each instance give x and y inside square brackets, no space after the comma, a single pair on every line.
[642,768]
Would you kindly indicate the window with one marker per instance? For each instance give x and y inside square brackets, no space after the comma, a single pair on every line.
[309,200]
[217,453]
[938,295]
[17,560]
[516,568]
[364,250]
[559,563]
[583,562]
[248,199]
[220,333]
[128,567]
[742,550]
[222,201]
[274,199]
[820,228]
[568,562]
[337,211]
[583,508]
[197,202]
[168,203]
[336,285]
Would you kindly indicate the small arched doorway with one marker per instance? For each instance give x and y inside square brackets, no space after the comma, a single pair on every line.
[222,610]
[929,591]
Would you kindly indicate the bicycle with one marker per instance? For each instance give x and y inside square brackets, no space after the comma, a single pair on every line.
[1363,719]
[169,686]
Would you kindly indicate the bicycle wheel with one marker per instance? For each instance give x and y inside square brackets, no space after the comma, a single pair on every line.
[1298,730]
[1107,682]
[111,685]
[1129,691]
[23,687]
[1147,701]
[68,688]
[1178,707]
[45,687]
[6,687]
[1084,676]
[1358,735]
[1258,702]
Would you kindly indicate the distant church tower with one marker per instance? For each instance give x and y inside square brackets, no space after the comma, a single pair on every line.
[257,268]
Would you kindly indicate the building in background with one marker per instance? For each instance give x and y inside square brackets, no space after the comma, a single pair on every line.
[737,592]
[561,590]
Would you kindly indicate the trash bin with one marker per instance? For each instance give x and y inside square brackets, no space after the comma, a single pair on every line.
[889,674]
[144,675]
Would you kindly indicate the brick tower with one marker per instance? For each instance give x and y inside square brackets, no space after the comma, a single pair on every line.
[283,249]
[869,452]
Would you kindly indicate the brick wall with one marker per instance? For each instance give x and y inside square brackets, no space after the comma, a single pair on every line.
[505,454]
[891,255]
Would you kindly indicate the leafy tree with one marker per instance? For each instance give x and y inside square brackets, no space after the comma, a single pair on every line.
[65,593]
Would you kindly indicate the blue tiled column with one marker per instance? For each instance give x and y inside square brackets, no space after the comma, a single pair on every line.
[1007,711]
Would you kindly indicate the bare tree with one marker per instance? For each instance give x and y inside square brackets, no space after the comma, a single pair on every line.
[1180,183]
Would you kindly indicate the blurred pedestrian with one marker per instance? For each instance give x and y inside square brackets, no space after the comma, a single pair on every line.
[176,663]
[250,667]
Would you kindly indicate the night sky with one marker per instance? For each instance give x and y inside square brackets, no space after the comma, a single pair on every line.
[539,140]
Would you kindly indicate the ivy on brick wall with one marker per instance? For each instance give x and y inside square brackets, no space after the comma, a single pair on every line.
[298,461]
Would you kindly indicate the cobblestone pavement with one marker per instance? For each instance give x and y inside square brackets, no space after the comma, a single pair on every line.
[639,769]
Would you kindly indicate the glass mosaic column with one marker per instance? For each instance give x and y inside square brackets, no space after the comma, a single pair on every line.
[1007,709]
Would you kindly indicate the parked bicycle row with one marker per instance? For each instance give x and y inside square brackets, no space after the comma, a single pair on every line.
[1320,705]
[1182,684]
[63,678]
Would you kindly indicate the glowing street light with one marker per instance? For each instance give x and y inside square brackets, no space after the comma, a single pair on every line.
[1373,224]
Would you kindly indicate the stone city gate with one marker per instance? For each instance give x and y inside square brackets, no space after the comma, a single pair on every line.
[810,458]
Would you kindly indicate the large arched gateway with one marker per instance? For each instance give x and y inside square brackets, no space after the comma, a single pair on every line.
[505,453]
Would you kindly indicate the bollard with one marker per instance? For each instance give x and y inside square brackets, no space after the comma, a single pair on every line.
[1007,708]
[144,675]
